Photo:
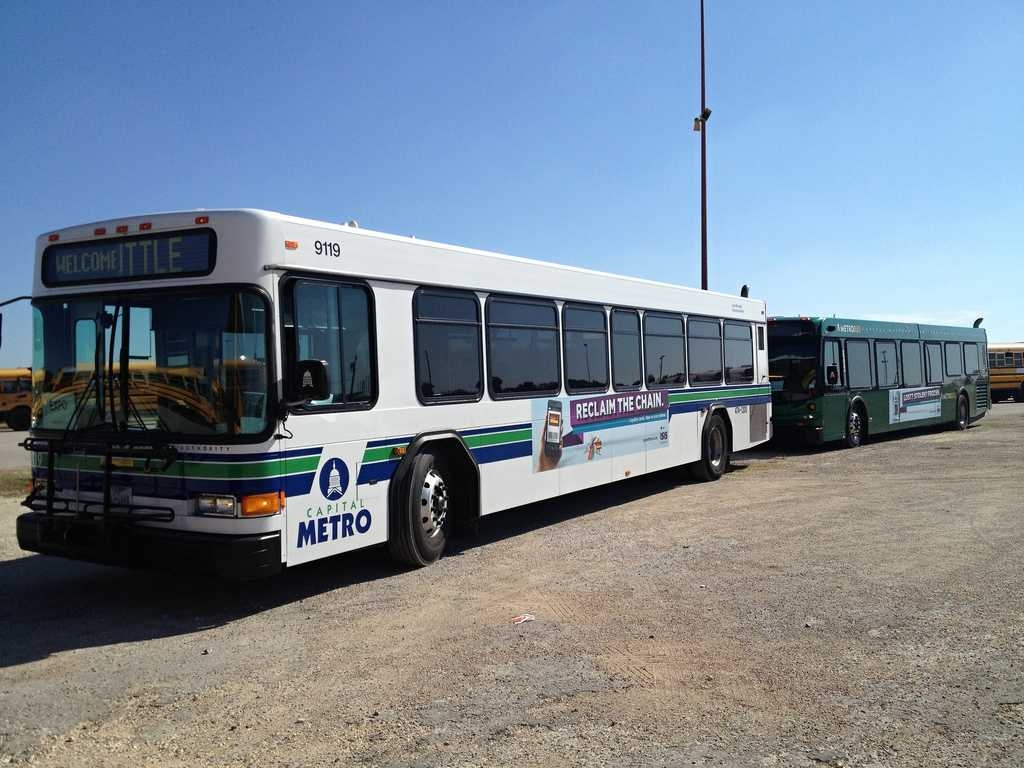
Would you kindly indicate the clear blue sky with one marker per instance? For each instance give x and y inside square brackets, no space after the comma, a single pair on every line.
[865,159]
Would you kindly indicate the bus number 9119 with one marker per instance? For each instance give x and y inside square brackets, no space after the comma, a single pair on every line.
[327,248]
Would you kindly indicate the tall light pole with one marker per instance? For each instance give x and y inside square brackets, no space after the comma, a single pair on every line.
[700,123]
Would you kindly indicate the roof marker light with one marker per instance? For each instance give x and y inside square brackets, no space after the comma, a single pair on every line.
[145,226]
[291,245]
[122,229]
[202,219]
[100,231]
[53,238]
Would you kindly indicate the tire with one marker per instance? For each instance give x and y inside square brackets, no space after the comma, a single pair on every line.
[963,413]
[420,523]
[714,450]
[856,427]
[19,419]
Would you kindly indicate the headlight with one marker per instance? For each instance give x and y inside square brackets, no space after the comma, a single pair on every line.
[216,506]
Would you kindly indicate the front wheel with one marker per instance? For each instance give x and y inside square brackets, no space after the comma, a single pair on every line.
[854,428]
[962,413]
[714,454]
[19,419]
[418,527]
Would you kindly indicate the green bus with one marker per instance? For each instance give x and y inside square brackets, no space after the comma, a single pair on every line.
[841,379]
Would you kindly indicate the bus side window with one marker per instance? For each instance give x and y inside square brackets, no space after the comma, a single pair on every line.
[739,354]
[886,364]
[704,345]
[954,359]
[447,336]
[332,321]
[933,356]
[833,367]
[910,351]
[971,363]
[858,364]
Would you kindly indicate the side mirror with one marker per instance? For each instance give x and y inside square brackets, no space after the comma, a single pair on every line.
[311,381]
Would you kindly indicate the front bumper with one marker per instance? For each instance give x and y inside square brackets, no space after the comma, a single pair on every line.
[806,434]
[139,546]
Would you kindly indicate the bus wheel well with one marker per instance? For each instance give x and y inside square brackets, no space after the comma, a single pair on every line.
[465,476]
[722,411]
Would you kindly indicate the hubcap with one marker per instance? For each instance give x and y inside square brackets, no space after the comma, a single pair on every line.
[716,447]
[855,426]
[433,503]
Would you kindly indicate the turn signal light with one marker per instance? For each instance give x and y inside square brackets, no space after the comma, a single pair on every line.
[53,238]
[146,225]
[258,504]
[202,219]
[122,229]
[291,245]
[100,231]
[812,407]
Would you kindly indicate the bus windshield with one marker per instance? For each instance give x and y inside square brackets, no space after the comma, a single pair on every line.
[154,364]
[792,357]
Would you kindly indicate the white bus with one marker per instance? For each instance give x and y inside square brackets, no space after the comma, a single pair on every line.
[245,390]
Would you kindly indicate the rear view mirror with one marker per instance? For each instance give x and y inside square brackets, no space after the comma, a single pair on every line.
[311,381]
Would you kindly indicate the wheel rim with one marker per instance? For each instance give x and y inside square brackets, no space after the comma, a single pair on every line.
[716,447]
[433,503]
[854,426]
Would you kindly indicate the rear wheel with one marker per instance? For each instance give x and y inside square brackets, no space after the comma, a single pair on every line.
[855,427]
[19,419]
[962,412]
[419,525]
[714,460]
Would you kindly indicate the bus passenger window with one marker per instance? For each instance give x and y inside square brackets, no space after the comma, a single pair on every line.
[954,359]
[858,363]
[911,354]
[933,356]
[586,348]
[886,365]
[522,347]
[664,350]
[626,367]
[739,354]
[704,340]
[448,357]
[971,362]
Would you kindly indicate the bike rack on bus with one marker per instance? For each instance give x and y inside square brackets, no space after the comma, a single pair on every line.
[47,502]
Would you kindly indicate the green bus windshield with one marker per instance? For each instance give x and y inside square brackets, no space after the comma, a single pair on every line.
[792,356]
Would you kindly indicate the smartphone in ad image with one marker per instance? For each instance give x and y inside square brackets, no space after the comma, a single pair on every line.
[553,429]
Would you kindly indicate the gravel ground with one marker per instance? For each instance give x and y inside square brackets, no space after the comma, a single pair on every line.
[841,608]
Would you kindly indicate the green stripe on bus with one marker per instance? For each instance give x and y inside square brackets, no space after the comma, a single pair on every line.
[497,438]
[377,454]
[715,394]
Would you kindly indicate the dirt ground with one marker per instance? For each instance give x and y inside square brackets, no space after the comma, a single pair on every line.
[842,608]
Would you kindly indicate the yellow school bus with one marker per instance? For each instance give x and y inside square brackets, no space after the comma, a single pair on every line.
[16,397]
[1006,366]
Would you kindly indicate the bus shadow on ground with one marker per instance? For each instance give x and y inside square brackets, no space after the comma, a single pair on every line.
[49,604]
[780,449]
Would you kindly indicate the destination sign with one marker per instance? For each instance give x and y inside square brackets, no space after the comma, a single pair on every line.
[174,254]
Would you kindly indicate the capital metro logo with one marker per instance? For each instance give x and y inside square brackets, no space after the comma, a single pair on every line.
[334,479]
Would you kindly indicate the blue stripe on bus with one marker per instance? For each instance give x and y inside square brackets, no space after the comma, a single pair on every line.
[376,471]
[388,441]
[489,453]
